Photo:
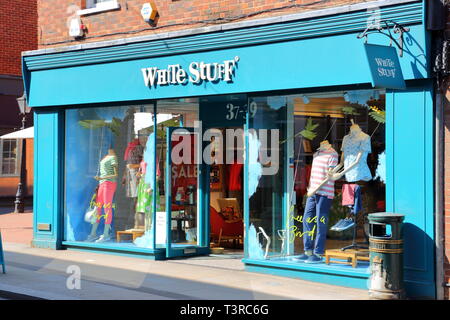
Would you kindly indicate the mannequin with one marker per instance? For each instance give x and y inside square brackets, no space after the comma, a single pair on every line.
[355,148]
[132,157]
[320,196]
[105,194]
[324,146]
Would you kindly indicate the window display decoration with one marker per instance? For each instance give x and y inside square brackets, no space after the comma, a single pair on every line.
[255,250]
[254,167]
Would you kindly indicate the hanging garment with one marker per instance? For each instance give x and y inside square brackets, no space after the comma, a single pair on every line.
[131,182]
[235,180]
[352,144]
[302,180]
[133,144]
[348,194]
[323,160]
[352,198]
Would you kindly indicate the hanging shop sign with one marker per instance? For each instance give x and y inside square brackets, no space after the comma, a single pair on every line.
[197,73]
[384,67]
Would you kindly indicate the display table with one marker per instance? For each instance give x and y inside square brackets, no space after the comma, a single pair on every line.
[135,233]
[351,256]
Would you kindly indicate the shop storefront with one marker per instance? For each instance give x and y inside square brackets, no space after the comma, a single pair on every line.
[159,146]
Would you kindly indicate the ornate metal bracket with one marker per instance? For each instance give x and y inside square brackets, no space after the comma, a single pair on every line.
[397,28]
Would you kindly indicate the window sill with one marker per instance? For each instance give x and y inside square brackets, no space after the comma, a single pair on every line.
[107,6]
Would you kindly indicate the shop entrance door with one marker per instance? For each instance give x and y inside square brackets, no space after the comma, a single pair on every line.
[185,187]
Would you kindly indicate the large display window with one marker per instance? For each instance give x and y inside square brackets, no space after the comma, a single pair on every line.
[108,174]
[316,169]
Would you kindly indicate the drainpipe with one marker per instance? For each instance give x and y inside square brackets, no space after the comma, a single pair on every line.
[439,216]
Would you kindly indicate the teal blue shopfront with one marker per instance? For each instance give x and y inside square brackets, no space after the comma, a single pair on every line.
[284,60]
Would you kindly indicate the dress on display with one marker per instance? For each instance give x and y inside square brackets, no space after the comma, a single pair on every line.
[133,156]
[144,202]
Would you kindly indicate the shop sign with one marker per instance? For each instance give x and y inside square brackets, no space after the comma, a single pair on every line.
[160,227]
[384,67]
[197,73]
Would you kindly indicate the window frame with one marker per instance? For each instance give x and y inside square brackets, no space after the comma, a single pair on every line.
[18,158]
[91,7]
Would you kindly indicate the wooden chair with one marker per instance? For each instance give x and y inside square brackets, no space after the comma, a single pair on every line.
[222,229]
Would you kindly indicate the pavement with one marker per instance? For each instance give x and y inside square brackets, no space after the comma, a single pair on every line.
[74,275]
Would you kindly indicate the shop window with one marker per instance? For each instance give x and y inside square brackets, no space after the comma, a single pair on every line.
[298,203]
[106,174]
[111,176]
[10,157]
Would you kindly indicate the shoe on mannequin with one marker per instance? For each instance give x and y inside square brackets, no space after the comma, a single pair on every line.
[93,235]
[105,236]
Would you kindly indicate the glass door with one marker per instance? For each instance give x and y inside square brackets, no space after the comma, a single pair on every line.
[186,224]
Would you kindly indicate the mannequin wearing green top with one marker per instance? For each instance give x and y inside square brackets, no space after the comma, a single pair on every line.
[105,194]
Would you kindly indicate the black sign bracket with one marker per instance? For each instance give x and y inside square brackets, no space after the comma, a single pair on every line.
[388,25]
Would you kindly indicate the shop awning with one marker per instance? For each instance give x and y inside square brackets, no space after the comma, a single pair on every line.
[27,133]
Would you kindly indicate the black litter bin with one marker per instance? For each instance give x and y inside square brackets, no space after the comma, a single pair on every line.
[386,256]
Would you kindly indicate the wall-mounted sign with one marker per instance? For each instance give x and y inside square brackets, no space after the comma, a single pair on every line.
[384,67]
[197,73]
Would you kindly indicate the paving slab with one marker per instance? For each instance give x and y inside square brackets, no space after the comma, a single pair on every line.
[45,273]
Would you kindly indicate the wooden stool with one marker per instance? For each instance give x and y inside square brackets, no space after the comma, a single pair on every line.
[350,256]
[135,233]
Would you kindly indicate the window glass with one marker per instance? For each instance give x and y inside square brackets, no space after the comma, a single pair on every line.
[266,175]
[9,157]
[181,191]
[342,133]
[107,173]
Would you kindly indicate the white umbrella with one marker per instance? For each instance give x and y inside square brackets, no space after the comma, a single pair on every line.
[27,133]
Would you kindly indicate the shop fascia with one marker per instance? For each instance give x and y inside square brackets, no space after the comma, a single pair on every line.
[197,72]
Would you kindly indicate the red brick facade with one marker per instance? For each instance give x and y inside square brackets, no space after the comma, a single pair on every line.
[54,16]
[18,32]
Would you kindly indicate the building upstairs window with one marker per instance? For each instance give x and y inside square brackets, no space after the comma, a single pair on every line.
[95,6]
[9,157]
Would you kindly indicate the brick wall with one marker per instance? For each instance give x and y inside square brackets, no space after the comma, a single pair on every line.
[173,15]
[18,32]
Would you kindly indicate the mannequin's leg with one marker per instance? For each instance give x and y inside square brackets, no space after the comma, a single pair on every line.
[323,210]
[110,189]
[100,201]
[308,225]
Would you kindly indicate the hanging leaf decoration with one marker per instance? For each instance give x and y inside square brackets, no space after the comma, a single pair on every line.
[350,111]
[377,114]
[308,132]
